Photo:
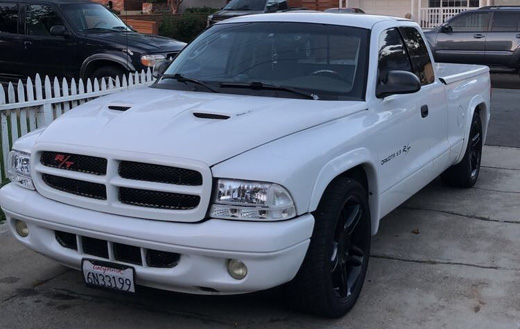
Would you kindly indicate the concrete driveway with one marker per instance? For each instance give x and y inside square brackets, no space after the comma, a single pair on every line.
[447,258]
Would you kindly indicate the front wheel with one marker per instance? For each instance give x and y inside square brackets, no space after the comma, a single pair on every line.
[465,173]
[332,274]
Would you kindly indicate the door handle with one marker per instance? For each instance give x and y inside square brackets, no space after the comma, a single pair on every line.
[518,36]
[424,111]
[27,44]
[478,36]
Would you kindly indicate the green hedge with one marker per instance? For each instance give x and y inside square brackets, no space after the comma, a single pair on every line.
[187,26]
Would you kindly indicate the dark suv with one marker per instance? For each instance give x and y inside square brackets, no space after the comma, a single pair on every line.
[489,35]
[67,38]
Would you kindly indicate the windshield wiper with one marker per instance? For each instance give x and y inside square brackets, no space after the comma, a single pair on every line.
[120,28]
[257,85]
[97,29]
[182,78]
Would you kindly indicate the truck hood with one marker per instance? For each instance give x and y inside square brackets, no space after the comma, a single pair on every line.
[205,127]
[143,42]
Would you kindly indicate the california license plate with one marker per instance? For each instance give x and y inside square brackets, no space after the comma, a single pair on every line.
[108,275]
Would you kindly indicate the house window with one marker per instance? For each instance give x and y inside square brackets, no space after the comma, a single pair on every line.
[453,3]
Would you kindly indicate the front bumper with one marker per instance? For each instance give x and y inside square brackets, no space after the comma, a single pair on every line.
[273,252]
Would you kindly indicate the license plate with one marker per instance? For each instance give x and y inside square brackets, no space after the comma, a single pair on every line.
[108,275]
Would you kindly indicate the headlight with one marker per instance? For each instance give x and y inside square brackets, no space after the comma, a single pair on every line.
[19,169]
[243,200]
[150,60]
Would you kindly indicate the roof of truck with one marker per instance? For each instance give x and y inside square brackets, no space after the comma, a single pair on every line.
[363,21]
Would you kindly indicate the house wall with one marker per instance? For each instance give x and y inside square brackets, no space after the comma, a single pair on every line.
[398,8]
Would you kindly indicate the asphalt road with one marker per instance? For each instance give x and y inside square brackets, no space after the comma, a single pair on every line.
[447,258]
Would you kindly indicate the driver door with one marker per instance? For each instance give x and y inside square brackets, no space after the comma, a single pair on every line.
[44,53]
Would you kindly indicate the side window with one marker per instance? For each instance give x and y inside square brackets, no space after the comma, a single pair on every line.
[39,19]
[392,54]
[474,22]
[506,22]
[421,62]
[8,18]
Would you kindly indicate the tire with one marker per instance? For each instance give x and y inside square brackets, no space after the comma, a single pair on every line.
[329,281]
[466,172]
[108,72]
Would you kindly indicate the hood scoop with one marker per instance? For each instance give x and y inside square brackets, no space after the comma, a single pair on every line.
[211,116]
[119,107]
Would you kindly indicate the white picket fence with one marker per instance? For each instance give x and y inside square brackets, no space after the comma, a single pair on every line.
[33,105]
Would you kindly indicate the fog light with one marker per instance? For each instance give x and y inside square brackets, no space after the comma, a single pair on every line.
[237,269]
[21,228]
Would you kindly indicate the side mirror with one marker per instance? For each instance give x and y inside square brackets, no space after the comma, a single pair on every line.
[398,82]
[159,68]
[60,31]
[271,7]
[446,28]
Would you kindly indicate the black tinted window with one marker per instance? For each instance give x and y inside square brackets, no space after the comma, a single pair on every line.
[419,56]
[39,20]
[473,22]
[506,22]
[392,54]
[8,18]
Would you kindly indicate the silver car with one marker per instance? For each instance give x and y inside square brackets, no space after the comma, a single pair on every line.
[489,35]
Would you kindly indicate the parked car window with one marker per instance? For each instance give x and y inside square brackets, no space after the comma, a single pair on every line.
[421,62]
[92,17]
[8,18]
[472,22]
[39,20]
[282,4]
[392,54]
[506,22]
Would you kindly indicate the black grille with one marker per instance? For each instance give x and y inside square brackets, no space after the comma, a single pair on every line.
[162,259]
[122,252]
[127,254]
[155,199]
[77,187]
[74,162]
[66,240]
[160,174]
[95,247]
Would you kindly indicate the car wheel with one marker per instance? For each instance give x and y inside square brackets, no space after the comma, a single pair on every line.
[465,173]
[332,274]
[108,72]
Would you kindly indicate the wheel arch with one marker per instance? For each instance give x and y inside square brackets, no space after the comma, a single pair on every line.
[106,59]
[478,104]
[357,165]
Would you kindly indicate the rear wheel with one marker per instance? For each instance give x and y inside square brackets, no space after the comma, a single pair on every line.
[332,274]
[465,173]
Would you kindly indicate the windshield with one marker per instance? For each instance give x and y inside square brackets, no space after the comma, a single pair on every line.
[328,61]
[92,17]
[255,5]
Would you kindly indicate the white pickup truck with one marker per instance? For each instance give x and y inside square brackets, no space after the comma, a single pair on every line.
[266,154]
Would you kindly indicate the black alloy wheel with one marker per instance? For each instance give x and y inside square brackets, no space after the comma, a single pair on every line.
[466,172]
[330,279]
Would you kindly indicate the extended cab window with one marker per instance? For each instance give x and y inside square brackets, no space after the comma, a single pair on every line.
[392,54]
[421,62]
[473,22]
[506,22]
[8,18]
[39,19]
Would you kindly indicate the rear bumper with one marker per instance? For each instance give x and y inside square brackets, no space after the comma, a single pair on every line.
[273,252]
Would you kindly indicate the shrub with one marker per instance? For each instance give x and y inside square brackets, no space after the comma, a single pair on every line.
[185,27]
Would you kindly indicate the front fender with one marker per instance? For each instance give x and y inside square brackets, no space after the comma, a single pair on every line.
[120,58]
[341,164]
